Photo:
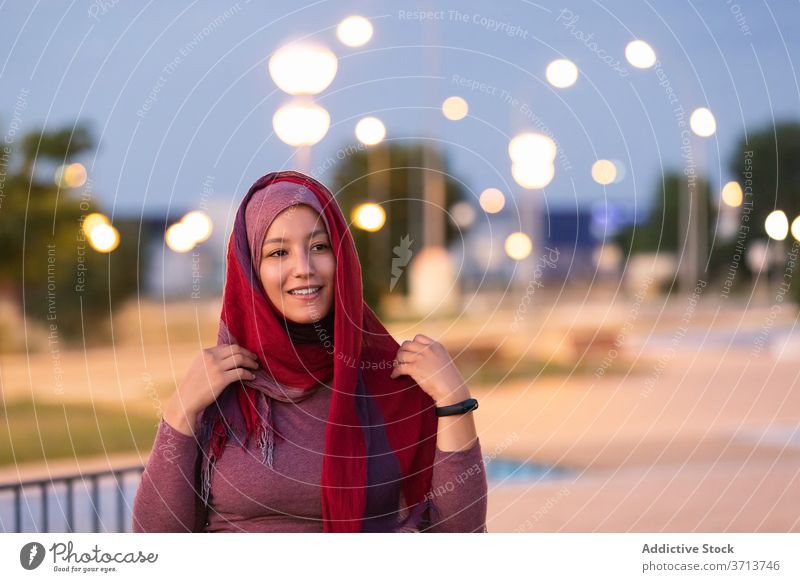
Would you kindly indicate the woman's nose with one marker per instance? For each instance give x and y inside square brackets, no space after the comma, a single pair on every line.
[304,265]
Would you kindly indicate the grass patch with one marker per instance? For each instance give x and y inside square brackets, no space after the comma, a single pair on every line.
[39,432]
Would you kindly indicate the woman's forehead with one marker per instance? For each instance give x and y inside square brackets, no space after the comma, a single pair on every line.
[298,221]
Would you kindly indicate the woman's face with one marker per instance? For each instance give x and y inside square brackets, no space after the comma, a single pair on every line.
[297,254]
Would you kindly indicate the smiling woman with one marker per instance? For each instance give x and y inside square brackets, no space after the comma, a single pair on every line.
[298,266]
[308,416]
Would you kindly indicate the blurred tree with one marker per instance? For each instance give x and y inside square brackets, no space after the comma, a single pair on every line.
[403,204]
[767,164]
[663,231]
[48,266]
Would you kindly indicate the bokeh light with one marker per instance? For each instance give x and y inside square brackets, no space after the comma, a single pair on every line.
[455,108]
[518,246]
[702,122]
[299,124]
[776,225]
[732,194]
[604,172]
[179,238]
[103,238]
[198,225]
[533,175]
[354,31]
[370,131]
[71,175]
[640,54]
[303,68]
[369,216]
[492,200]
[561,73]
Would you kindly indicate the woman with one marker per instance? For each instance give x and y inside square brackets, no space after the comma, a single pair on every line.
[307,416]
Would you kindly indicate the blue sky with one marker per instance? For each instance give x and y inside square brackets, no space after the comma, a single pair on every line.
[98,61]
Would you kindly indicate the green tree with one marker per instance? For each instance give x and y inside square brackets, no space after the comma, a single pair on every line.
[663,231]
[402,203]
[48,266]
[767,165]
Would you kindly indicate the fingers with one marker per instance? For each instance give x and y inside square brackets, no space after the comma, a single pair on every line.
[226,350]
[239,361]
[238,374]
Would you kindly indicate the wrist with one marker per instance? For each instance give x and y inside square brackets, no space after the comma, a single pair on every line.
[179,417]
[453,396]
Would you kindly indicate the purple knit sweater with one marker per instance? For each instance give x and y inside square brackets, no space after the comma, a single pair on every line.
[248,496]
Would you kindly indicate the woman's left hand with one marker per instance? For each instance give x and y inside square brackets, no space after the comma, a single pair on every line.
[432,368]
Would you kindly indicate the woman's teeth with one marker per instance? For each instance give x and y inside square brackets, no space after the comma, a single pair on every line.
[308,291]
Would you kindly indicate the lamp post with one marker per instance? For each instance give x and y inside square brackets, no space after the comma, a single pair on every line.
[303,69]
[532,166]
[702,124]
[370,131]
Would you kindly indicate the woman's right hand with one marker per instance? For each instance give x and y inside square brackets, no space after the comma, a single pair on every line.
[209,374]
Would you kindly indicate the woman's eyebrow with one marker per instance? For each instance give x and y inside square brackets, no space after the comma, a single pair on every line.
[312,234]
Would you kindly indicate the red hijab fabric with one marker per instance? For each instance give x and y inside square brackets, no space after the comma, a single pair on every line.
[295,359]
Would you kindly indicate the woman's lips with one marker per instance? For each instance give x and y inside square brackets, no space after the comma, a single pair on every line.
[307,296]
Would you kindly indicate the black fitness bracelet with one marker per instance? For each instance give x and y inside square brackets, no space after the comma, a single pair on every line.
[462,407]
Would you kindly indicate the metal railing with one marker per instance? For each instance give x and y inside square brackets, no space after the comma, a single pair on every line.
[97,486]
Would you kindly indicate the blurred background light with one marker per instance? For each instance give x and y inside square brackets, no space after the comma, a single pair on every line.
[455,108]
[303,68]
[561,73]
[354,31]
[640,54]
[369,216]
[299,124]
[492,200]
[370,131]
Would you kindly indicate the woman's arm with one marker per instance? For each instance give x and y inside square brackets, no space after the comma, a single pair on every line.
[458,492]
[167,499]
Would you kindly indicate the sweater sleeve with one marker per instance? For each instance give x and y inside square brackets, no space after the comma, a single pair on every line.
[458,491]
[167,499]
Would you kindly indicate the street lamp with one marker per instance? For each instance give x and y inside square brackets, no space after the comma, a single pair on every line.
[301,125]
[702,124]
[532,166]
[302,69]
[354,31]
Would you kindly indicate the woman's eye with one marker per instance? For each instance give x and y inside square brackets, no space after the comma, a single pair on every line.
[323,245]
[275,254]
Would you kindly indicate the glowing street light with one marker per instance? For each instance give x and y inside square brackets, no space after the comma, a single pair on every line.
[640,54]
[198,225]
[702,122]
[561,73]
[796,228]
[532,156]
[732,194]
[301,124]
[71,175]
[518,246]
[536,147]
[455,108]
[370,131]
[179,238]
[303,68]
[777,225]
[533,176]
[604,172]
[90,221]
[354,31]
[369,216]
[103,238]
[492,200]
